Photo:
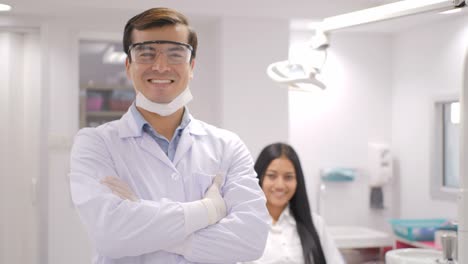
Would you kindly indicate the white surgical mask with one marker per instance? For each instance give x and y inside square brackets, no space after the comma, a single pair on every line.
[164,109]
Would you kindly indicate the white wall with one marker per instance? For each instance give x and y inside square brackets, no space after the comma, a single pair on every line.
[331,128]
[428,62]
[206,83]
[380,89]
[64,237]
[253,106]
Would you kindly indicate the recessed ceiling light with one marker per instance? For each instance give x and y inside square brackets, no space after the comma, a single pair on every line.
[4,7]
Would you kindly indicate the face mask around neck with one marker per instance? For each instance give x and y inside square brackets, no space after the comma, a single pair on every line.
[164,109]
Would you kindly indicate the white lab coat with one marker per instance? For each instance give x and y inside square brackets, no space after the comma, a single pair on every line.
[284,244]
[147,231]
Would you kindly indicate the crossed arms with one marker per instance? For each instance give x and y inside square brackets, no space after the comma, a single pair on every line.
[122,225]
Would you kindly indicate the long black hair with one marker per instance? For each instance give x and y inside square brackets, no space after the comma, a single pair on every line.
[299,203]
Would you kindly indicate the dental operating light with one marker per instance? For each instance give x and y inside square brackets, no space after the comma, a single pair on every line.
[294,74]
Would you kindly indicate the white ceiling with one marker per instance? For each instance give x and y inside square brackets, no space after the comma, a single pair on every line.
[204,10]
[310,9]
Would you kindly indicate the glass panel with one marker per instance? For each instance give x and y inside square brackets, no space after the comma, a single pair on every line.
[451,144]
[105,91]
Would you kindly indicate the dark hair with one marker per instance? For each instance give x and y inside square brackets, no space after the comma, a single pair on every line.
[299,203]
[158,17]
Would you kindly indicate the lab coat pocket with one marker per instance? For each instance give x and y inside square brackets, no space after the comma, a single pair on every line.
[203,181]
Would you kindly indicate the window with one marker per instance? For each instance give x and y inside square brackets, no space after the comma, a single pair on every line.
[451,146]
[446,148]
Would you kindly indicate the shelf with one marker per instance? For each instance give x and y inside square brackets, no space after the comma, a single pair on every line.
[404,243]
[105,113]
[105,87]
[107,97]
[359,237]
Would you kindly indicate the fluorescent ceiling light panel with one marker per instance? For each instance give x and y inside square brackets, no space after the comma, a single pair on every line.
[4,7]
[383,12]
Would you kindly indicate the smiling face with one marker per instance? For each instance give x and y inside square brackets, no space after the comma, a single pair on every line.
[160,82]
[279,183]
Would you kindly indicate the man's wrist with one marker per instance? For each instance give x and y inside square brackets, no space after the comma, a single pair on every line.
[211,210]
[196,216]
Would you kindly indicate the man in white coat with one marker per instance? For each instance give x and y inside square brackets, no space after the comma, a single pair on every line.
[159,186]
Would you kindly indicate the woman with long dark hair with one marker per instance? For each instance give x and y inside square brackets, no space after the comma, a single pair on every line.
[296,235]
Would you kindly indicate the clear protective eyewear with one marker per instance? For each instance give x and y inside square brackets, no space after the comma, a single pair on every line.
[148,51]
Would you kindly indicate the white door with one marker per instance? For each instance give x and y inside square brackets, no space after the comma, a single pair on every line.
[19,146]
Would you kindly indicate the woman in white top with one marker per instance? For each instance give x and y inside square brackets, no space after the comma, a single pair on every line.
[296,236]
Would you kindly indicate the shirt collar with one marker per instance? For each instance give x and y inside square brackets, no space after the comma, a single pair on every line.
[141,121]
[286,217]
[128,125]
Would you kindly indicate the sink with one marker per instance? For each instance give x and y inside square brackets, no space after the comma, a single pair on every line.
[359,237]
[412,256]
[359,244]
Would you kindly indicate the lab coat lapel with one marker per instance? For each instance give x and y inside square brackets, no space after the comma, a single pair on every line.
[128,128]
[194,128]
[185,143]
[151,146]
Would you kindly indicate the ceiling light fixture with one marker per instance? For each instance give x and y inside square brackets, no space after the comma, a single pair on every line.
[292,73]
[111,56]
[388,11]
[5,7]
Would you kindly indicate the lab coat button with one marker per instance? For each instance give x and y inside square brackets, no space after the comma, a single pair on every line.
[175,176]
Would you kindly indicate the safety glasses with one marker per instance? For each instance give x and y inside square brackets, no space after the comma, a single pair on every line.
[147,52]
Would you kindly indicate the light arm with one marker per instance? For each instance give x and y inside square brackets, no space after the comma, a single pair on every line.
[119,227]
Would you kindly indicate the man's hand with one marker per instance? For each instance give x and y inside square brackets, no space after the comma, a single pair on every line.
[119,188]
[214,202]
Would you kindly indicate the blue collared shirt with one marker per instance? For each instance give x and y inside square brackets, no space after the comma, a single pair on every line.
[169,147]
